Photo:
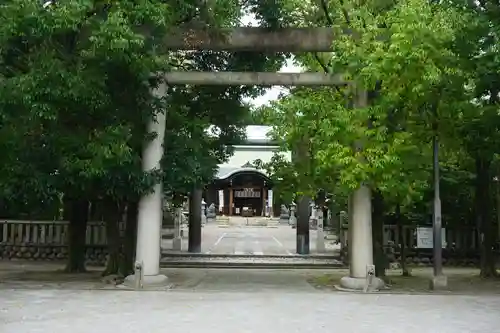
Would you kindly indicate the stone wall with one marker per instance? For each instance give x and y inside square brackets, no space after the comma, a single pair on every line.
[424,260]
[95,255]
[47,241]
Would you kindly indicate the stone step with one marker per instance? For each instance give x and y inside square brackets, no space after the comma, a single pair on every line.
[250,261]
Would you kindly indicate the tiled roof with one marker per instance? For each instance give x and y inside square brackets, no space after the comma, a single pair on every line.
[226,171]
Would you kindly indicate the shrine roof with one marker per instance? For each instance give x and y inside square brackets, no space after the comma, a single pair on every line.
[226,171]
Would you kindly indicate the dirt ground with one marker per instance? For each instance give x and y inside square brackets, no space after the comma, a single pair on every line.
[460,281]
[36,275]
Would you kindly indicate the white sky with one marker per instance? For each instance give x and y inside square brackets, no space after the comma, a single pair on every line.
[289,67]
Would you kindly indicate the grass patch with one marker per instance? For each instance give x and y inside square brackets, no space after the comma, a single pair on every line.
[325,281]
[460,281]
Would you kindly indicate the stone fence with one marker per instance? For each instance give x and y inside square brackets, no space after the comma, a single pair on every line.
[48,240]
[464,238]
[461,246]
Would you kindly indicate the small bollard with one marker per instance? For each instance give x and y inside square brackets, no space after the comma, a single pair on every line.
[138,274]
[370,273]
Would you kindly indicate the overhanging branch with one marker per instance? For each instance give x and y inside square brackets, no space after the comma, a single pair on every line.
[254,79]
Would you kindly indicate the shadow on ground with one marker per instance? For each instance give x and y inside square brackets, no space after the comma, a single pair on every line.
[52,276]
[465,281]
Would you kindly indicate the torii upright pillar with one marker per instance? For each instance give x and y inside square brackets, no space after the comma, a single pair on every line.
[150,214]
[360,232]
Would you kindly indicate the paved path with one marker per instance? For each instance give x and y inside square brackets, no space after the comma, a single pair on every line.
[239,238]
[62,311]
[255,280]
[256,241]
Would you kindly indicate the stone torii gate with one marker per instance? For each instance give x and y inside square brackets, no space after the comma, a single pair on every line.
[148,252]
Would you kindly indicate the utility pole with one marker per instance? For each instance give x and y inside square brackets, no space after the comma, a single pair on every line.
[194,235]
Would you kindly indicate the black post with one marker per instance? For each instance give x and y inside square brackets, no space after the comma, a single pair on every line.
[194,240]
[436,223]
[326,220]
[321,202]
[303,225]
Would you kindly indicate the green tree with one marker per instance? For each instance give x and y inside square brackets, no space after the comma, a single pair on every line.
[76,78]
[73,73]
[478,124]
[402,54]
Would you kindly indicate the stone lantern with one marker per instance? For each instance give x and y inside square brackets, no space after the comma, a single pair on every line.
[293,219]
[203,212]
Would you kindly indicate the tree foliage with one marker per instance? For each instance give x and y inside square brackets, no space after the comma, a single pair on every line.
[75,97]
[429,69]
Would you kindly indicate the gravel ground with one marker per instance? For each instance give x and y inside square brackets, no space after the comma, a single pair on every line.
[39,300]
[62,311]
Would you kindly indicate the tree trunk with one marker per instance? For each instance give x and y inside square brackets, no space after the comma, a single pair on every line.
[127,264]
[498,208]
[379,257]
[402,234]
[483,217]
[79,212]
[302,239]
[112,216]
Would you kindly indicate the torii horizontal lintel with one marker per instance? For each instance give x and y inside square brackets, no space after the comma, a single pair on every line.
[253,79]
[258,39]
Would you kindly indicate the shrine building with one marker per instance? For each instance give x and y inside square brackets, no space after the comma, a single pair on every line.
[238,187]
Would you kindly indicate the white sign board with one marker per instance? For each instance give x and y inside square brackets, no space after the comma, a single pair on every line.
[425,238]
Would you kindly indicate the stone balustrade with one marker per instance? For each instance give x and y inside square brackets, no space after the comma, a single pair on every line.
[48,240]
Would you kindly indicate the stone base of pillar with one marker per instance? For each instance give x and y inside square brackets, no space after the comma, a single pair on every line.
[439,282]
[149,282]
[177,244]
[348,283]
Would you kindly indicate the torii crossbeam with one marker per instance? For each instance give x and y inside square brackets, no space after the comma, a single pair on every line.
[252,39]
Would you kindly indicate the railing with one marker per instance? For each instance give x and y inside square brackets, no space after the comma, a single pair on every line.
[55,233]
[50,233]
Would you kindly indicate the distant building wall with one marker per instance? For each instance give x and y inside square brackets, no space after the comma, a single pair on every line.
[244,154]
